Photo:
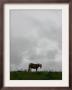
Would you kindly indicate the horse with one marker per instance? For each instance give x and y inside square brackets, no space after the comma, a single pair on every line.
[34,66]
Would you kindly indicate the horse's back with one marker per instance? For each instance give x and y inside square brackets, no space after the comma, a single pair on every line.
[31,64]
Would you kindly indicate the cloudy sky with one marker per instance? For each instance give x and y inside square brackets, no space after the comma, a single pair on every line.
[36,37]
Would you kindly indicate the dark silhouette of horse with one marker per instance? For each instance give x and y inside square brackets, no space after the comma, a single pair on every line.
[34,66]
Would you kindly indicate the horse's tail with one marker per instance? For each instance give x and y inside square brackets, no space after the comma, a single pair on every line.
[29,69]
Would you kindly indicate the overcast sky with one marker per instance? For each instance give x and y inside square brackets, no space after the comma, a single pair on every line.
[36,37]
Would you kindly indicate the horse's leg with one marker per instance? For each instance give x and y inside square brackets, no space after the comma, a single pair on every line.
[30,69]
[36,69]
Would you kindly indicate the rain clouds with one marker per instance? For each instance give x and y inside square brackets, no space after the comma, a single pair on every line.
[36,37]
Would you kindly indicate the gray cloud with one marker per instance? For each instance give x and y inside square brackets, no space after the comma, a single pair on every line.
[36,36]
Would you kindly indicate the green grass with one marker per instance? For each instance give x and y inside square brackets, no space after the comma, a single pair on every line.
[40,75]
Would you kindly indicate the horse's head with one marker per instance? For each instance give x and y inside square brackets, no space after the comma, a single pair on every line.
[40,65]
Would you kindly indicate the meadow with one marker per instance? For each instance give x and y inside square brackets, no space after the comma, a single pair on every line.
[39,75]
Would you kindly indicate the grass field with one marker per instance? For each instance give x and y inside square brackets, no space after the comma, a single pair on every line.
[40,75]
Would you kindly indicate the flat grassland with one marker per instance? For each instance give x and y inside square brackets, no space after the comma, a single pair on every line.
[39,75]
